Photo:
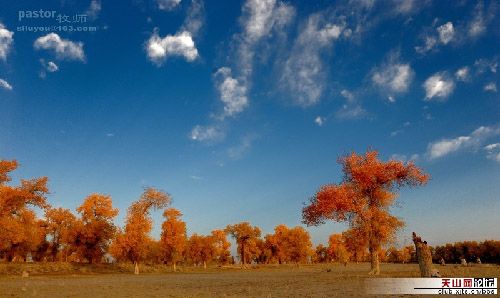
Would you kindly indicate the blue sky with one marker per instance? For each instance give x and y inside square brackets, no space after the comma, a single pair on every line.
[240,109]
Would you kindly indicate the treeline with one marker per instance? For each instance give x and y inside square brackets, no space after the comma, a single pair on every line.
[90,235]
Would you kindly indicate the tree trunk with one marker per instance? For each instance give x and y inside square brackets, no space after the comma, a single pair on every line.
[204,265]
[136,268]
[424,256]
[243,253]
[174,265]
[374,262]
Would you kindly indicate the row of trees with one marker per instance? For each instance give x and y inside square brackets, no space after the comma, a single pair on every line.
[362,199]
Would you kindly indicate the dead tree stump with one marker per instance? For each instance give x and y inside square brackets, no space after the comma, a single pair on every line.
[424,256]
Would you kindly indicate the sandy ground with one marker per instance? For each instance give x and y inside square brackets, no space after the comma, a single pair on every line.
[328,280]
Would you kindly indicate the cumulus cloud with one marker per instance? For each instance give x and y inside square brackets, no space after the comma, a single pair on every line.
[181,44]
[304,70]
[438,86]
[446,32]
[441,35]
[47,67]
[6,40]
[195,17]
[393,76]
[94,9]
[463,74]
[206,133]
[232,92]
[5,85]
[168,4]
[319,120]
[351,109]
[444,147]
[490,87]
[493,151]
[480,19]
[63,48]
[484,65]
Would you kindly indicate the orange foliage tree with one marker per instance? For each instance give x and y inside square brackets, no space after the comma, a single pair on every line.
[288,245]
[200,249]
[173,236]
[337,250]
[95,229]
[221,247]
[364,197]
[246,237]
[20,231]
[133,242]
[60,224]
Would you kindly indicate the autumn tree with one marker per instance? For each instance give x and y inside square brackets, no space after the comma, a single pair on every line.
[320,254]
[363,198]
[132,242]
[355,244]
[20,231]
[61,227]
[95,229]
[173,236]
[246,237]
[221,247]
[200,249]
[337,250]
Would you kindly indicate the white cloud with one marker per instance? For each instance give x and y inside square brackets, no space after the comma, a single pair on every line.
[6,40]
[483,65]
[493,151]
[5,85]
[180,44]
[477,26]
[446,32]
[206,133]
[491,87]
[393,76]
[240,150]
[47,67]
[52,67]
[168,4]
[232,92]
[304,70]
[63,48]
[444,147]
[463,74]
[94,9]
[438,86]
[195,17]
[319,120]
[351,109]
[260,19]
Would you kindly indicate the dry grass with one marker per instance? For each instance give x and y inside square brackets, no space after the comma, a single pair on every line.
[324,280]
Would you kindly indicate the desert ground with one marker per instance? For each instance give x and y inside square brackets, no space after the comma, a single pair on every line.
[321,280]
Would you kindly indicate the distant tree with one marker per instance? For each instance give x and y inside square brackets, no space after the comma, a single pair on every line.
[246,237]
[96,229]
[355,244]
[173,236]
[60,225]
[133,241]
[364,197]
[321,254]
[200,249]
[337,250]
[221,245]
[20,231]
